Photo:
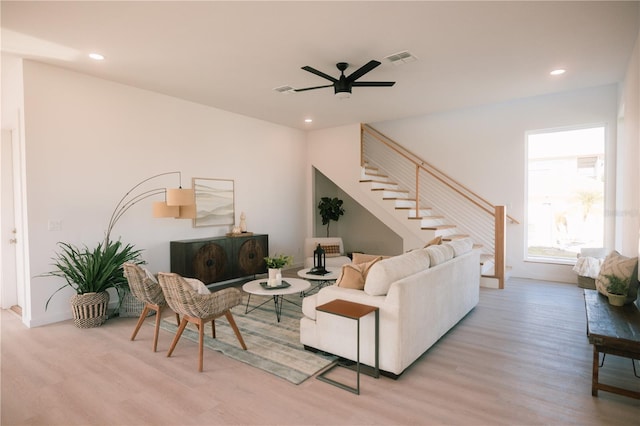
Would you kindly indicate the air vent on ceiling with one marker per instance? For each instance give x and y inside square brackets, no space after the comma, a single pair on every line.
[401,57]
[284,89]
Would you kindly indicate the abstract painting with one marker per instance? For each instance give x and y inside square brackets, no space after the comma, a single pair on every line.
[214,202]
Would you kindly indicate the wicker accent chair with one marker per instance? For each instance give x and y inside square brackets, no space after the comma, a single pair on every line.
[149,292]
[199,309]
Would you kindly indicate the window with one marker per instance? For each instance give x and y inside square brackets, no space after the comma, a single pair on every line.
[565,193]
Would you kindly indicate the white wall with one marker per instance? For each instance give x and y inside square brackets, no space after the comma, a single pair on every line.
[335,152]
[627,211]
[484,148]
[89,140]
[360,230]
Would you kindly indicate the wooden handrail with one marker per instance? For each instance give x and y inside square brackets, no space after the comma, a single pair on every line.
[476,199]
[497,241]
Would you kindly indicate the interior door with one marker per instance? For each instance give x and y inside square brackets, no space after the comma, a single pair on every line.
[9,294]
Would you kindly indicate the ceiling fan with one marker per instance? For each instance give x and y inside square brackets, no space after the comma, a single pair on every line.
[342,85]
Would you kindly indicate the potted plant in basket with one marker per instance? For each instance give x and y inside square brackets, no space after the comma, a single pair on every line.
[617,289]
[91,272]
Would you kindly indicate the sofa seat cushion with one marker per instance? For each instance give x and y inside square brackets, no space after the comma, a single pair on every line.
[385,272]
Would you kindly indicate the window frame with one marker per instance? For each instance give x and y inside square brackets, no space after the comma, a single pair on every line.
[609,173]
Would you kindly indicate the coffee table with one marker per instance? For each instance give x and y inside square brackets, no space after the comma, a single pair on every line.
[320,280]
[296,285]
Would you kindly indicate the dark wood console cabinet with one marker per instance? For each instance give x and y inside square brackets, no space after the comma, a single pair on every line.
[220,258]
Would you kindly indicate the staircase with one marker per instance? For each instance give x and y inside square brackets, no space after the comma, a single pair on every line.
[432,203]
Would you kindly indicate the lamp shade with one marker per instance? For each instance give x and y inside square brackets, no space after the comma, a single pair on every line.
[180,197]
[187,212]
[161,209]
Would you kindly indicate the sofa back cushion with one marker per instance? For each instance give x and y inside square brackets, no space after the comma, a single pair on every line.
[461,246]
[439,254]
[387,271]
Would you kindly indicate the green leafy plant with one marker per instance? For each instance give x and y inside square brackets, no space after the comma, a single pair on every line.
[278,261]
[617,285]
[86,270]
[330,209]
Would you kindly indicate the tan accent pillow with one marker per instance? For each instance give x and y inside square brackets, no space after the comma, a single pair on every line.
[332,250]
[354,275]
[363,258]
[436,241]
[614,264]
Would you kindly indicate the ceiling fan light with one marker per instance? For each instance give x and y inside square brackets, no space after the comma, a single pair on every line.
[343,94]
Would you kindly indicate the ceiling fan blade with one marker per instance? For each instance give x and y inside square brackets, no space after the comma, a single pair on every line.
[319,73]
[311,88]
[373,83]
[363,70]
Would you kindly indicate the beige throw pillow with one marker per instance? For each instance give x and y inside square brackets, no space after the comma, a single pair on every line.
[614,264]
[363,258]
[354,275]
[197,285]
[436,241]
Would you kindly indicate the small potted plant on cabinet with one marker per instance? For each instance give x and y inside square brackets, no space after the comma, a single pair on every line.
[617,289]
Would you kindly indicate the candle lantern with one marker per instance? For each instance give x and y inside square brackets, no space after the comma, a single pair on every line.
[319,261]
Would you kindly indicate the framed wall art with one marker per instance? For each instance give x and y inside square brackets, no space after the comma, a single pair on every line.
[214,202]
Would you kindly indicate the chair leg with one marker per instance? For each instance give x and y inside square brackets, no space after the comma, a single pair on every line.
[143,315]
[232,322]
[200,344]
[177,318]
[183,324]
[157,330]
[213,328]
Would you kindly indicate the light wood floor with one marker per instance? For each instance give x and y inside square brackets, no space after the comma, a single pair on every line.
[520,357]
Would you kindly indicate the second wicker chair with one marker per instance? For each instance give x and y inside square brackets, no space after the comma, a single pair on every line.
[148,291]
[198,309]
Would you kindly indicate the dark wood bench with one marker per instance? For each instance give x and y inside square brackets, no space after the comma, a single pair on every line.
[611,330]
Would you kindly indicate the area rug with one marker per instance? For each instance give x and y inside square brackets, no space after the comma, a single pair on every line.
[271,346]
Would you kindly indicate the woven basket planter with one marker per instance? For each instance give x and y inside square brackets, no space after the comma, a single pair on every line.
[89,309]
[131,306]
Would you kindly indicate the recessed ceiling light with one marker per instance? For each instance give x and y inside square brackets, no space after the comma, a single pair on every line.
[558,72]
[96,56]
[308,120]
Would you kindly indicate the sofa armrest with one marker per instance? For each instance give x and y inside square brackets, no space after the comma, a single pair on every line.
[333,292]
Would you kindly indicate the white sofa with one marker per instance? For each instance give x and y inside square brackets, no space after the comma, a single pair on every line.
[421,295]
[310,244]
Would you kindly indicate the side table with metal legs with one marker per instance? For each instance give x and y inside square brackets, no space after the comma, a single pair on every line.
[355,311]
